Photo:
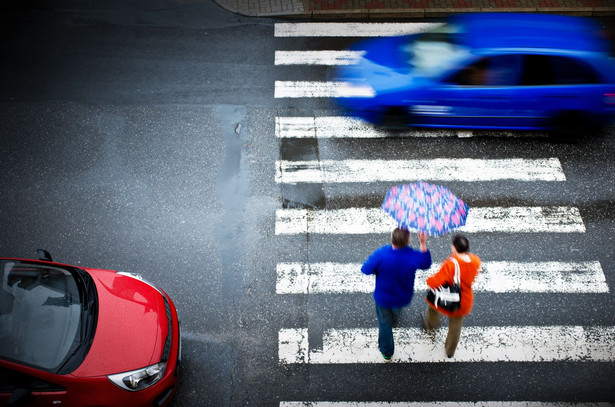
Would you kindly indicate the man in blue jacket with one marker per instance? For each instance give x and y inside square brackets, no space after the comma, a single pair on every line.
[395,267]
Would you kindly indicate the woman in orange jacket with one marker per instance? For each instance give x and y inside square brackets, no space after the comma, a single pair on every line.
[469,267]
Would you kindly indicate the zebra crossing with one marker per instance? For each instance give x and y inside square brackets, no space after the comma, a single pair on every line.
[482,344]
[350,128]
[435,169]
[349,29]
[357,221]
[479,343]
[503,276]
[437,404]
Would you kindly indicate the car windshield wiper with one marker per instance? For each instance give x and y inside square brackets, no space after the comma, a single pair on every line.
[79,342]
[70,357]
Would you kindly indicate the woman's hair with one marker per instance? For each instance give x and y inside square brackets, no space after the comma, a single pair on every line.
[400,237]
[461,243]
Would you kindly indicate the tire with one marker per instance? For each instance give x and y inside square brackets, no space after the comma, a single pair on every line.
[571,126]
[395,118]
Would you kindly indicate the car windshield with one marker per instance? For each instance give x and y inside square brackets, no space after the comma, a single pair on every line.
[433,50]
[41,314]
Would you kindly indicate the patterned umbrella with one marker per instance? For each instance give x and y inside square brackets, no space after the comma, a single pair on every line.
[425,207]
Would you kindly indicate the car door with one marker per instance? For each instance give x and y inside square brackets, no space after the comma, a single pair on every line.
[479,94]
[561,86]
[29,389]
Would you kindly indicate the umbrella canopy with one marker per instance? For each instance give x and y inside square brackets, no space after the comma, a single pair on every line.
[425,207]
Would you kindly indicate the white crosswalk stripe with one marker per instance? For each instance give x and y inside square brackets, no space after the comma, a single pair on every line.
[325,127]
[480,344]
[317,57]
[437,404]
[349,29]
[497,276]
[349,127]
[353,221]
[320,89]
[435,169]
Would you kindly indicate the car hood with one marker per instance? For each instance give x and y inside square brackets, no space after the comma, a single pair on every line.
[384,65]
[386,51]
[128,333]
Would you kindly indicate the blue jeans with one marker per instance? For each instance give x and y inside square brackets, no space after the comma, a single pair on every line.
[385,329]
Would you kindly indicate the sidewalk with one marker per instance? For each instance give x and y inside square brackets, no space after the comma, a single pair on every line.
[319,10]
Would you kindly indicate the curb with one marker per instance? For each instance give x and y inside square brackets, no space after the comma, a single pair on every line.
[392,14]
[286,11]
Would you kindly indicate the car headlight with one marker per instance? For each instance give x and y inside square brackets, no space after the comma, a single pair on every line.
[139,379]
[138,277]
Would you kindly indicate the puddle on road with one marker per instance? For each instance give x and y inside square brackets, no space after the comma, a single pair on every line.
[299,150]
[233,180]
[301,195]
[233,190]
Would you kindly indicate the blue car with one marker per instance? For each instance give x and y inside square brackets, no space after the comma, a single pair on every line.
[486,71]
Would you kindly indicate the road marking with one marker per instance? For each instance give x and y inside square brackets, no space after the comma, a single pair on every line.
[317,89]
[317,57]
[439,403]
[350,29]
[325,127]
[353,221]
[350,127]
[497,276]
[478,344]
[438,169]
[341,127]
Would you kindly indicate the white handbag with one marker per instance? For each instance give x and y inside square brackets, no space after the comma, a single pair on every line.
[447,296]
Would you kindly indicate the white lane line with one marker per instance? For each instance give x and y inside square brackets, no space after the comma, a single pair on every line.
[341,127]
[438,169]
[316,89]
[519,219]
[478,344]
[317,57]
[497,276]
[350,127]
[325,127]
[349,29]
[440,403]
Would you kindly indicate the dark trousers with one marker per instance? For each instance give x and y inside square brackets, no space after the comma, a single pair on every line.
[386,344]
[433,319]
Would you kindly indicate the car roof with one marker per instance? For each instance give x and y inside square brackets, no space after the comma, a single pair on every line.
[519,30]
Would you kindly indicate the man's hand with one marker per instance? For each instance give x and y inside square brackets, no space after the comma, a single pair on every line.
[423,241]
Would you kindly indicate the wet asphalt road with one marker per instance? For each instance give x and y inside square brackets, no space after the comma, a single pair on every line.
[141,138]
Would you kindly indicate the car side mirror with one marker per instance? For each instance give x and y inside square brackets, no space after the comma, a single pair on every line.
[19,397]
[44,255]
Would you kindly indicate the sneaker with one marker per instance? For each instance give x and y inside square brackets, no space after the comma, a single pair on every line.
[387,359]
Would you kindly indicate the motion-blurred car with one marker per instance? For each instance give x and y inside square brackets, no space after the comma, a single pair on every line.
[491,71]
[73,336]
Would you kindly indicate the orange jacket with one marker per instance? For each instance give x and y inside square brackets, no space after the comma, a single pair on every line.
[468,270]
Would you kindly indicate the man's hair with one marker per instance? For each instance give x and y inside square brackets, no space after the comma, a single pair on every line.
[461,243]
[400,237]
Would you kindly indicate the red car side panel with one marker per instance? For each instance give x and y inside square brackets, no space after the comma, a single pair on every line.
[92,392]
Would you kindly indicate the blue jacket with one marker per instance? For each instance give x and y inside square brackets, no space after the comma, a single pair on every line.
[395,270]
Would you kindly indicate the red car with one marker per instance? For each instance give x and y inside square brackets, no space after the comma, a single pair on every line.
[73,336]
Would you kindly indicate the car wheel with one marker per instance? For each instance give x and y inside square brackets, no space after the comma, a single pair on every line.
[572,126]
[395,118]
